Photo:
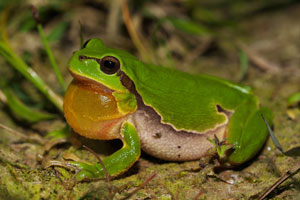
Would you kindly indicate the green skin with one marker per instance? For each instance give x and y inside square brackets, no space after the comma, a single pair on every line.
[184,101]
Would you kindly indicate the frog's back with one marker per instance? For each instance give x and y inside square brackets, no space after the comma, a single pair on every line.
[187,102]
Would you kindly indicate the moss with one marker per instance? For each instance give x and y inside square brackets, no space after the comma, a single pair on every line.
[22,177]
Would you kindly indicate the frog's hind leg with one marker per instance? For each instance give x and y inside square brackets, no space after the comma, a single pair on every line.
[247,131]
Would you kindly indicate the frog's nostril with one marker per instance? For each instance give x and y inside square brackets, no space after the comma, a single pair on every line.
[81,57]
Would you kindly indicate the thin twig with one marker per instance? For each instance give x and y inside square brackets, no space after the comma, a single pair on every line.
[283,178]
[136,39]
[49,145]
[3,97]
[198,51]
[259,61]
[114,18]
[22,135]
[288,174]
[198,195]
[104,168]
[141,186]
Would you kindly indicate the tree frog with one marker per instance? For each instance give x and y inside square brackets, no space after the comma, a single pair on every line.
[167,113]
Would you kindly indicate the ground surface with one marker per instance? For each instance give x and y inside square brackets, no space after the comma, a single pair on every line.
[272,35]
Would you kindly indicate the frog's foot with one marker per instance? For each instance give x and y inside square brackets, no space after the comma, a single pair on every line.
[220,148]
[83,170]
[115,164]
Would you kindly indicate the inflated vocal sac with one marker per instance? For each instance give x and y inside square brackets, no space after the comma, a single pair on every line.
[91,110]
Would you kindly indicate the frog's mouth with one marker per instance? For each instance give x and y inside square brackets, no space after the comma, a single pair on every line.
[91,110]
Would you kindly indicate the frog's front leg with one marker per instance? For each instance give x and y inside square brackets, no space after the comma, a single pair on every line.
[119,161]
[247,131]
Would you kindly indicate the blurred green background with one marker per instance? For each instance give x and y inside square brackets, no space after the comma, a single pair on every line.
[254,43]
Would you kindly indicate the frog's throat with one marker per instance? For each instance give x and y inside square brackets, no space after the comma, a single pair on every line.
[125,99]
[91,110]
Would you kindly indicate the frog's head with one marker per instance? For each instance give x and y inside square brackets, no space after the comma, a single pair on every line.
[98,99]
[95,62]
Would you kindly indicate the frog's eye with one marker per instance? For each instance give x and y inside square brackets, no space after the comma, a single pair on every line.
[109,65]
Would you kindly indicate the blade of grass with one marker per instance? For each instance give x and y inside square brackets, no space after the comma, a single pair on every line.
[189,26]
[23,111]
[293,152]
[142,47]
[81,34]
[58,31]
[293,106]
[47,48]
[293,99]
[3,19]
[273,137]
[60,133]
[243,64]
[7,52]
[290,173]
[30,75]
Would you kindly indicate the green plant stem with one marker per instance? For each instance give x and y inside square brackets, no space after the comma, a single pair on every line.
[30,74]
[51,57]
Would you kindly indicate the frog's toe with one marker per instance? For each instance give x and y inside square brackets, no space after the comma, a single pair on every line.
[83,170]
[87,171]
